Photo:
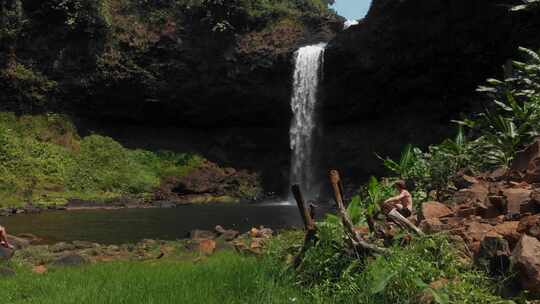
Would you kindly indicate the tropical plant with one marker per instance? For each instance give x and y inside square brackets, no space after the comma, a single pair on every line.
[514,117]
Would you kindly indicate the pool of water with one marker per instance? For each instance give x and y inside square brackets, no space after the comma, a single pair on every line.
[132,225]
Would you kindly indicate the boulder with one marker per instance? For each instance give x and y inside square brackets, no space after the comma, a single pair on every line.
[526,261]
[261,232]
[18,242]
[527,162]
[530,225]
[61,247]
[202,235]
[508,230]
[431,210]
[70,260]
[518,200]
[477,231]
[5,253]
[494,255]
[477,193]
[433,225]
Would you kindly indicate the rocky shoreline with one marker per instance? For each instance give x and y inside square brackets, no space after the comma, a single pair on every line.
[41,257]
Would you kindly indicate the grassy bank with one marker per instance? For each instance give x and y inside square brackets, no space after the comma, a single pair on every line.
[223,278]
[44,160]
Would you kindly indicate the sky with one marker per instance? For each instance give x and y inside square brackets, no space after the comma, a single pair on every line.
[352,9]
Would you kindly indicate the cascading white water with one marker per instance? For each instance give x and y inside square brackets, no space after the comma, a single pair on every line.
[308,63]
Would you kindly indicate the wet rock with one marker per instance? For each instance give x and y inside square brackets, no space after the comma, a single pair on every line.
[6,272]
[207,247]
[526,260]
[70,260]
[202,235]
[5,253]
[530,225]
[494,255]
[431,210]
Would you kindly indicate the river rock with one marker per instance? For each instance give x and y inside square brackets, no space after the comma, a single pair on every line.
[526,260]
[84,245]
[227,235]
[61,247]
[207,247]
[70,260]
[262,232]
[5,253]
[432,210]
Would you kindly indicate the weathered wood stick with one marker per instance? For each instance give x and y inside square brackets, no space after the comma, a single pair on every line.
[347,224]
[309,223]
[396,216]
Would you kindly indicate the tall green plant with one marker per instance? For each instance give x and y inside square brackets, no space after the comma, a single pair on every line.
[514,116]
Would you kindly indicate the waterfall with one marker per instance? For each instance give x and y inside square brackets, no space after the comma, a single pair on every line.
[308,63]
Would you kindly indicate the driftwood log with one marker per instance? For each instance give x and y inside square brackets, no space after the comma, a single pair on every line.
[357,241]
[308,217]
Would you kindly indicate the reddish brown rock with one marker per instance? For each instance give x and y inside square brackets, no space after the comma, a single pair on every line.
[431,210]
[261,232]
[207,247]
[463,180]
[523,158]
[517,199]
[433,225]
[526,260]
[530,225]
[477,231]
[509,232]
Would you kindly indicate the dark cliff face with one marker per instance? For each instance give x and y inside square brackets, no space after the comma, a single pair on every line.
[213,63]
[428,55]
[410,67]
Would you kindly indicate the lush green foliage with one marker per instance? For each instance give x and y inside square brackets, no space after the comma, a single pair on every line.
[225,278]
[514,117]
[334,276]
[43,160]
[495,134]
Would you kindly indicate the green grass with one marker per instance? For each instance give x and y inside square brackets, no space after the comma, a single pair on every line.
[44,160]
[224,278]
[330,275]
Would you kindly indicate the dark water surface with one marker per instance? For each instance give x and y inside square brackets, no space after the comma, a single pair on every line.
[132,225]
